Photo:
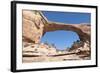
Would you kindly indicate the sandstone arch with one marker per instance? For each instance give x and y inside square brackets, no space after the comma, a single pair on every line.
[35,25]
[82,30]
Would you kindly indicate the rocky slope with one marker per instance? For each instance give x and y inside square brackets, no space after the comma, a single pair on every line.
[46,53]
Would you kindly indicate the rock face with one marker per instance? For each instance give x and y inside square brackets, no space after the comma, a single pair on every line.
[35,25]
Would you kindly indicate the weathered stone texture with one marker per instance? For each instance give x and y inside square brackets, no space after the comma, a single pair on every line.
[32,26]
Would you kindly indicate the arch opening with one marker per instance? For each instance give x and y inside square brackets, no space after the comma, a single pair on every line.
[60,39]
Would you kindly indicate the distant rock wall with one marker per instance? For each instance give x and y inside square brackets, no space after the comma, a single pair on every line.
[35,25]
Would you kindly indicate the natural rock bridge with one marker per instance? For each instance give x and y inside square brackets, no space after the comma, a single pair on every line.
[35,25]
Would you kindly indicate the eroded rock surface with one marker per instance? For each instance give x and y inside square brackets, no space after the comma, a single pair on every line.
[33,25]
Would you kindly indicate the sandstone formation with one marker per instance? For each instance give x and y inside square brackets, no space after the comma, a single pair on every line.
[82,30]
[35,25]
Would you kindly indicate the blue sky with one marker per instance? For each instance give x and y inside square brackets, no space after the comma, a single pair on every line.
[61,38]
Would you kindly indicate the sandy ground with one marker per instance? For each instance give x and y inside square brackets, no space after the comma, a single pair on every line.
[53,58]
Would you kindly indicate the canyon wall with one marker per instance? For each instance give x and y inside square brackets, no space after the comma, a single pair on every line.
[33,25]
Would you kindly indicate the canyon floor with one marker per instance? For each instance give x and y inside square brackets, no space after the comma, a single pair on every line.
[46,53]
